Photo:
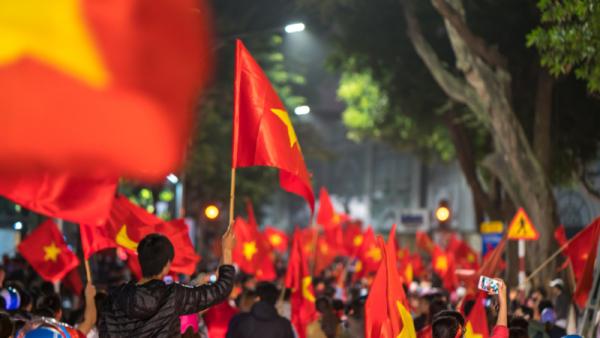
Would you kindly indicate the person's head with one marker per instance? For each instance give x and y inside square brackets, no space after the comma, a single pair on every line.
[155,254]
[323,304]
[548,316]
[436,307]
[451,313]
[519,322]
[7,327]
[524,312]
[49,306]
[557,286]
[538,294]
[446,327]
[267,292]
[544,304]
[517,332]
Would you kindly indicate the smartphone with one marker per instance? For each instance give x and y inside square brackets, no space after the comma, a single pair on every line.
[489,285]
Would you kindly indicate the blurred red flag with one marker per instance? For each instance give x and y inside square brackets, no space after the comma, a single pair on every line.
[128,224]
[73,281]
[277,238]
[582,251]
[325,256]
[326,216]
[464,256]
[61,195]
[46,251]
[369,255]
[476,321]
[252,253]
[353,238]
[98,81]
[263,134]
[444,266]
[424,242]
[298,279]
[251,215]
[386,309]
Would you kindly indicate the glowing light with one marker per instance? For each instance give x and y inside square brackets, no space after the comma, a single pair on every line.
[172,178]
[18,225]
[442,214]
[295,27]
[302,110]
[211,212]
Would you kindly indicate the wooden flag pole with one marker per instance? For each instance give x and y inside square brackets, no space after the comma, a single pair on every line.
[231,199]
[88,271]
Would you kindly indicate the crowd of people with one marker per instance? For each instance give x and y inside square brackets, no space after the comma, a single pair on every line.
[234,305]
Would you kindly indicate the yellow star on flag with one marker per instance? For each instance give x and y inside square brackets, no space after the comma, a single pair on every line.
[124,240]
[51,252]
[324,248]
[54,33]
[408,327]
[249,250]
[285,118]
[306,283]
[357,240]
[275,239]
[441,263]
[375,253]
[469,333]
[470,258]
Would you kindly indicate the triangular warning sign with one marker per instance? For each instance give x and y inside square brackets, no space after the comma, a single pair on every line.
[522,228]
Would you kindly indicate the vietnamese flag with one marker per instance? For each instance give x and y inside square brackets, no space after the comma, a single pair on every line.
[326,216]
[263,134]
[476,321]
[443,265]
[298,279]
[464,256]
[424,242]
[325,256]
[277,238]
[100,84]
[386,308]
[78,199]
[369,255]
[46,251]
[252,253]
[128,224]
[582,251]
[353,238]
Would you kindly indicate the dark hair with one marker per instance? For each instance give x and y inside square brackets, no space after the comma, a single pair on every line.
[527,311]
[445,327]
[7,327]
[541,290]
[323,304]
[544,304]
[451,313]
[267,292]
[519,322]
[48,303]
[436,307]
[155,251]
[517,332]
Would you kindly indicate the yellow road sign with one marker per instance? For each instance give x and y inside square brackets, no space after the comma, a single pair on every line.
[521,227]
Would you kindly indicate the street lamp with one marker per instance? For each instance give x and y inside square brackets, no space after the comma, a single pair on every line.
[295,27]
[302,110]
[172,178]
[211,212]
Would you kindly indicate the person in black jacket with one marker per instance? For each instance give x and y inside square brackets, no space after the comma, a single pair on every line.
[262,320]
[151,308]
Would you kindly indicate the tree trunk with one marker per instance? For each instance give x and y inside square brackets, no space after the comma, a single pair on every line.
[485,88]
[543,118]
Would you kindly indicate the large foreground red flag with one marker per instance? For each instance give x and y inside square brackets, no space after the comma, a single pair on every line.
[88,84]
[263,134]
[46,251]
[582,251]
[297,278]
[61,195]
[386,309]
[477,326]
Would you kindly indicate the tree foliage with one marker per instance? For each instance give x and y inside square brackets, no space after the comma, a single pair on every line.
[568,39]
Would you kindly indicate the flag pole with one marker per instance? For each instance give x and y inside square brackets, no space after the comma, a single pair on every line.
[231,199]
[88,271]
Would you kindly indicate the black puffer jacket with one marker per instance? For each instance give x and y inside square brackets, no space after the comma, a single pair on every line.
[153,309]
[262,321]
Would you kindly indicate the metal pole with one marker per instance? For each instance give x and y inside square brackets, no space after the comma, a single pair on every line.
[521,251]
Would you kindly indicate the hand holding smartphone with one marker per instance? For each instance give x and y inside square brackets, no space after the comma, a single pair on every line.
[488,285]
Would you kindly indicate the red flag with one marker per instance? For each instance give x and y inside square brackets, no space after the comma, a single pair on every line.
[309,241]
[369,255]
[61,195]
[477,325]
[95,83]
[46,251]
[298,279]
[560,235]
[491,266]
[464,256]
[424,242]
[128,224]
[386,308]
[278,239]
[443,266]
[263,134]
[353,238]
[582,251]
[251,252]
[326,216]
[417,265]
[325,256]
[73,281]
[251,216]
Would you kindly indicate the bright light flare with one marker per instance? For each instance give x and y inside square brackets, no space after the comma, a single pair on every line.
[442,214]
[211,212]
[172,178]
[302,110]
[295,27]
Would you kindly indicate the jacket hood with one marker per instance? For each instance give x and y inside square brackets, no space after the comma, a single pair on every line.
[141,301]
[264,311]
